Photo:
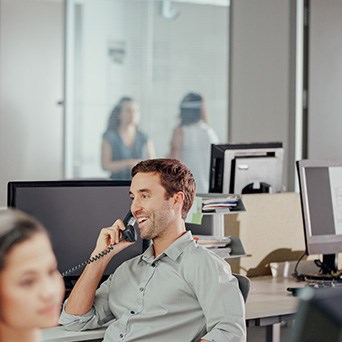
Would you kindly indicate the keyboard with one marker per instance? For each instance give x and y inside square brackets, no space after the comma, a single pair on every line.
[321,277]
[328,284]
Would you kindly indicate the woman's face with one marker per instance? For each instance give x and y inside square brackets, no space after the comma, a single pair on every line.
[31,288]
[129,113]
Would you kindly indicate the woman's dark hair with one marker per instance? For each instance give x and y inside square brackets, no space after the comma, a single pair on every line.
[190,108]
[15,227]
[174,177]
[114,118]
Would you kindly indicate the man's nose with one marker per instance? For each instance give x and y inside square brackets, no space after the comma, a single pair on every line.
[135,205]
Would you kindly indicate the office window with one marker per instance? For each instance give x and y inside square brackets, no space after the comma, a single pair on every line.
[152,51]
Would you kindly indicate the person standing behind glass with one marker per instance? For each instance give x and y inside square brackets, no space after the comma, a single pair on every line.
[123,143]
[192,139]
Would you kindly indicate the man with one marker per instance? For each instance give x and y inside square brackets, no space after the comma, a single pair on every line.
[176,290]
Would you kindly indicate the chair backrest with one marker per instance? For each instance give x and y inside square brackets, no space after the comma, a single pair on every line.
[244,285]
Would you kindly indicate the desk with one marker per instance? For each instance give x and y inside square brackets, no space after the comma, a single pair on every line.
[268,305]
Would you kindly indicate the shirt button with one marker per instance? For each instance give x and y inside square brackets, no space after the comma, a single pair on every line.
[141,289]
[121,335]
[153,265]
[132,312]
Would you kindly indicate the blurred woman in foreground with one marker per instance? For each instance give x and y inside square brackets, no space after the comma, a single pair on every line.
[31,287]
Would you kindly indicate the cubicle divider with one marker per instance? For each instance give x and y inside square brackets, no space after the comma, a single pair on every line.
[271,230]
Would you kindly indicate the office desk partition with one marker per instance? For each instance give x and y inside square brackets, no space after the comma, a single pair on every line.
[268,304]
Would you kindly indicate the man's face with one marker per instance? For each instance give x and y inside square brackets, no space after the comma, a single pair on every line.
[154,213]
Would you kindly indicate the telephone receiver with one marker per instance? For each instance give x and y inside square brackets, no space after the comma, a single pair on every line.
[129,234]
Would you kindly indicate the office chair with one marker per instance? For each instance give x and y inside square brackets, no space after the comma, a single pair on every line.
[244,285]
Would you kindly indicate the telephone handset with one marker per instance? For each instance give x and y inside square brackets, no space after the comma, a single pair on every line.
[129,234]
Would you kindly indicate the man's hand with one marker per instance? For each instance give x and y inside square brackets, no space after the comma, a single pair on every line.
[82,295]
[111,236]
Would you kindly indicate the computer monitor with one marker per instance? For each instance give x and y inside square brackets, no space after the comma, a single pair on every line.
[246,168]
[74,212]
[320,184]
[319,316]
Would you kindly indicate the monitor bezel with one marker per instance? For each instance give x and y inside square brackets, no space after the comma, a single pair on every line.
[13,185]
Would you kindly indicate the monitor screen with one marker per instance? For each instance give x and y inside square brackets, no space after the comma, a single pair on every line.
[246,168]
[74,212]
[320,184]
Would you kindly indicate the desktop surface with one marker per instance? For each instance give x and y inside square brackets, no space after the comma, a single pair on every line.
[269,300]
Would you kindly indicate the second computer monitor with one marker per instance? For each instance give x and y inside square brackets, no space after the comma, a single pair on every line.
[320,184]
[246,168]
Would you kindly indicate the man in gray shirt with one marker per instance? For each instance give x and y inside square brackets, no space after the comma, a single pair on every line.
[176,290]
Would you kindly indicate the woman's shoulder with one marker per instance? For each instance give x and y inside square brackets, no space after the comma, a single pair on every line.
[110,134]
[142,137]
[209,131]
[178,131]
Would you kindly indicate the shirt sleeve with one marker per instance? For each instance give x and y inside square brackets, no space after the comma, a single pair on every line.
[218,294]
[96,317]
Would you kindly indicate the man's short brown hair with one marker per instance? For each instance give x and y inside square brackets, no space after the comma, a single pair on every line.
[174,177]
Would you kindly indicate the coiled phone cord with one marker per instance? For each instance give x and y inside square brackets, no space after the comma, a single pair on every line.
[89,261]
[129,234]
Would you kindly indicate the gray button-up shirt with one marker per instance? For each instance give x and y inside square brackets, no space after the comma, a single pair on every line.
[185,294]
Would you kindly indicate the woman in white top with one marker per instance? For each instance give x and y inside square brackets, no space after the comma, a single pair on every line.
[192,139]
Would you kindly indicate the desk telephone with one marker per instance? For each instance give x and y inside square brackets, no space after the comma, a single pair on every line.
[129,234]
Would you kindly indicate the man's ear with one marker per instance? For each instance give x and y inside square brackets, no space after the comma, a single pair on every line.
[178,199]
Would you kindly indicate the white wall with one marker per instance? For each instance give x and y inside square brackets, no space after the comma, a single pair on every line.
[31,73]
[325,80]
[262,46]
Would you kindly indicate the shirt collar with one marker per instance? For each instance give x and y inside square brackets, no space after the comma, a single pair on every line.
[173,251]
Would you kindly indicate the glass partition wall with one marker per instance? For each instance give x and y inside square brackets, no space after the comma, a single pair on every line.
[153,51]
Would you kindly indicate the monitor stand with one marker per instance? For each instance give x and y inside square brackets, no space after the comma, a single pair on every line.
[329,263]
[328,270]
